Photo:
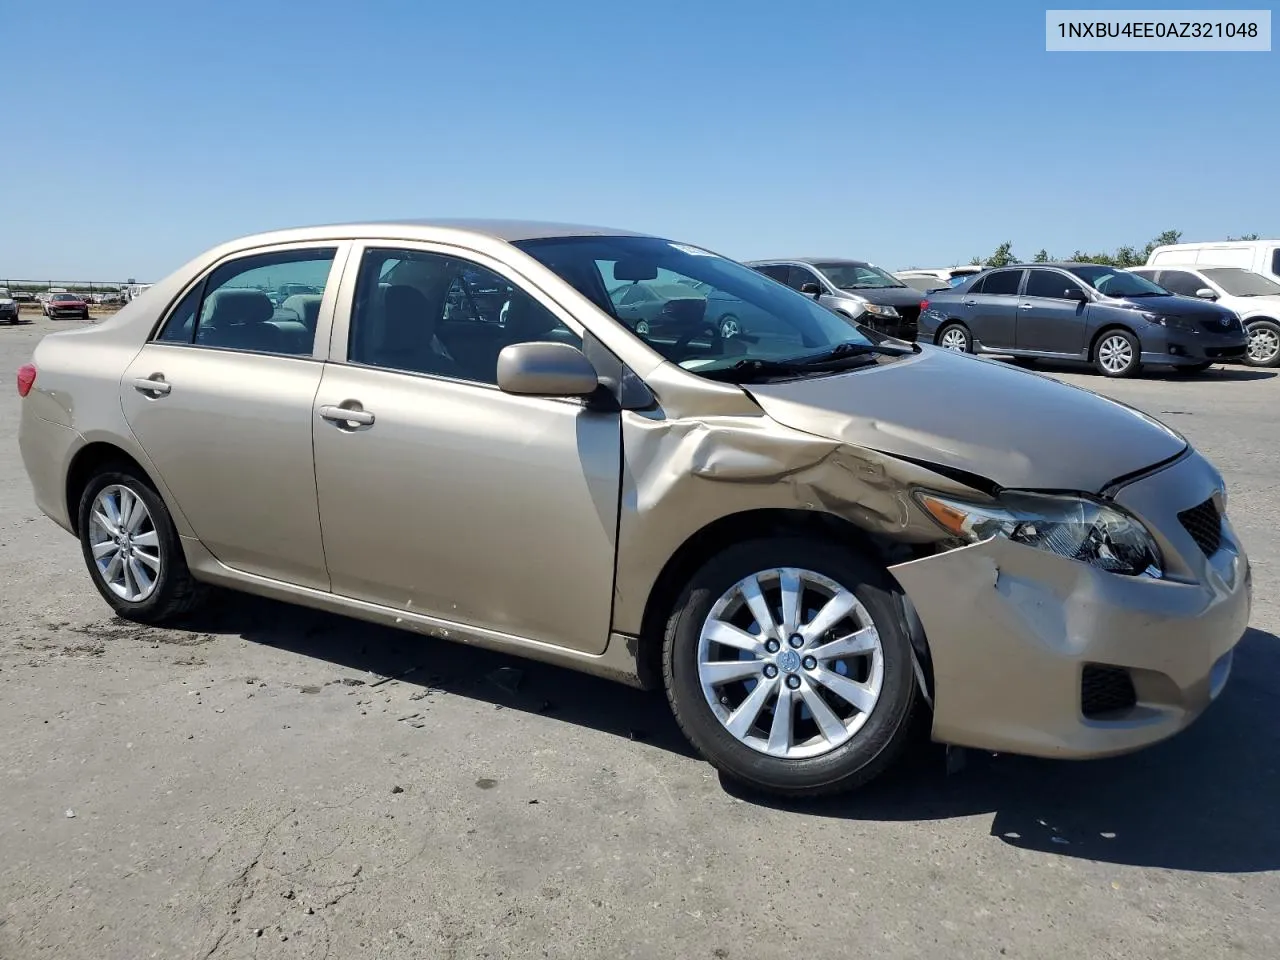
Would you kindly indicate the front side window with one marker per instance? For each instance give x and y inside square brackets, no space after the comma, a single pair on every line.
[857,276]
[1117,282]
[1049,284]
[774,271]
[237,306]
[1002,283]
[419,312]
[686,321]
[797,277]
[1178,281]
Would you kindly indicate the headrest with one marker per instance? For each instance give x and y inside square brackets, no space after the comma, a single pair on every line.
[306,306]
[235,305]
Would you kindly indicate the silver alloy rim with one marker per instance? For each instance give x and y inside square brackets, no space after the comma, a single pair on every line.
[642,328]
[729,328]
[1115,354]
[1264,344]
[790,663]
[124,543]
[954,339]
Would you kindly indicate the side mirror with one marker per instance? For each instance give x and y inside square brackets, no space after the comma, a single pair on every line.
[1074,293]
[813,289]
[544,369]
[1204,293]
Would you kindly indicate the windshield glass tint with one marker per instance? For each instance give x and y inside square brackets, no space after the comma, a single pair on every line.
[1115,282]
[857,276]
[695,308]
[1243,283]
[65,296]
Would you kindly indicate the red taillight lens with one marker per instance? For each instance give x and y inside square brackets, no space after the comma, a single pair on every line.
[924,305]
[26,378]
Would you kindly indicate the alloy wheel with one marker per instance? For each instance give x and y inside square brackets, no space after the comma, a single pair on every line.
[790,662]
[1115,354]
[955,339]
[1264,345]
[125,543]
[729,328]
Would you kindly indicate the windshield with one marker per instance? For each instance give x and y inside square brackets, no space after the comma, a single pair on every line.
[702,311]
[857,276]
[1115,282]
[65,296]
[1242,283]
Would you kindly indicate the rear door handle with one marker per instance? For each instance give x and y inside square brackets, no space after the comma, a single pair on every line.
[1026,306]
[154,384]
[970,303]
[346,415]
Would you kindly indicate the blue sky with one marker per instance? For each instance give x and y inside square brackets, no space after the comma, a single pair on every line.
[138,134]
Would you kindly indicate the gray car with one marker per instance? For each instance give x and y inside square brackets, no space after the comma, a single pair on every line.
[1105,315]
[855,289]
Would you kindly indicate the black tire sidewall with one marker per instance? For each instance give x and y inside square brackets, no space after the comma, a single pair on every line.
[855,761]
[172,560]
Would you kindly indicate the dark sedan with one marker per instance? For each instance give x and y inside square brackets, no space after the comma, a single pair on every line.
[1104,315]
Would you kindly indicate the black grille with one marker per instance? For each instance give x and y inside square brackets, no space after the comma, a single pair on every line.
[1214,325]
[1204,523]
[1106,690]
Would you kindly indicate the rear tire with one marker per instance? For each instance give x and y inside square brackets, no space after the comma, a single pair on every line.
[132,550]
[1117,354]
[795,754]
[955,337]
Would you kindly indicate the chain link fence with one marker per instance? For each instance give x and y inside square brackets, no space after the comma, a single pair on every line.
[32,293]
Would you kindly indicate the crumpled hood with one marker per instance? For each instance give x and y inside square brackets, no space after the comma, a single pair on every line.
[888,296]
[1014,428]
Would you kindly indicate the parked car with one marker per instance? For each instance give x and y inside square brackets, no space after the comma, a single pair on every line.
[1251,296]
[928,280]
[66,306]
[810,543]
[9,312]
[855,289]
[1107,316]
[1260,256]
[24,296]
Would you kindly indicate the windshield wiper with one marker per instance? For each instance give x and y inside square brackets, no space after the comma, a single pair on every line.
[745,371]
[849,348]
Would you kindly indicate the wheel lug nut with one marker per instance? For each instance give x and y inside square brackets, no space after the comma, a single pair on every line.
[810,663]
[793,682]
[770,671]
[796,641]
[771,646]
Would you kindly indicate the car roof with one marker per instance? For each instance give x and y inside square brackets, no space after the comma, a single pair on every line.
[811,261]
[508,230]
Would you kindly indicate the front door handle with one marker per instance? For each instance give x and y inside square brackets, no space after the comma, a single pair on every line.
[970,303]
[345,416]
[1026,306]
[155,385]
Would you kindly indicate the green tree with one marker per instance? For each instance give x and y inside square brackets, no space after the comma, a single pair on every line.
[1127,256]
[1042,256]
[1003,255]
[1247,236]
[1165,239]
[975,261]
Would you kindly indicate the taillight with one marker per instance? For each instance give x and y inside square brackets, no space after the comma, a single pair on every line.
[26,378]
[924,305]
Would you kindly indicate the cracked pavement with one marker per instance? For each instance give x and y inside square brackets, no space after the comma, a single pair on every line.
[247,786]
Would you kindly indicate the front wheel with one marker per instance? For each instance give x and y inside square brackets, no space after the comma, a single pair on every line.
[729,327]
[642,328]
[132,549]
[1264,343]
[787,668]
[1117,354]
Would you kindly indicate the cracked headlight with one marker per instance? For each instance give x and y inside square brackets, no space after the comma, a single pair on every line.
[1077,528]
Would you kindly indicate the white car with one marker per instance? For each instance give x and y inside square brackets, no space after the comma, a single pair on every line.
[1260,256]
[927,280]
[1251,295]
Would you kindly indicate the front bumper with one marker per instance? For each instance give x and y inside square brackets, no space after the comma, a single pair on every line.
[1014,632]
[1181,346]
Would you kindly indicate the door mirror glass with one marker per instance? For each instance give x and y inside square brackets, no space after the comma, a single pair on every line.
[811,288]
[1204,293]
[1074,293]
[545,369]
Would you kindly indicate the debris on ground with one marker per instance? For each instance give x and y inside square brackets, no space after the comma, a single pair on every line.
[397,789]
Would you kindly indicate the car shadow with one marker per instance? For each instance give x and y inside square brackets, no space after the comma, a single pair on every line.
[1222,373]
[1203,801]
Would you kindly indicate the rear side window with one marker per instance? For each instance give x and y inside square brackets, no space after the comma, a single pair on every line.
[266,303]
[1003,283]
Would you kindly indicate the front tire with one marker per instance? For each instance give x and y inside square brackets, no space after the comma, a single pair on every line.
[133,552]
[1264,343]
[788,668]
[729,327]
[1117,354]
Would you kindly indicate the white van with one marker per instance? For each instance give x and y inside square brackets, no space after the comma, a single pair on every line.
[1260,256]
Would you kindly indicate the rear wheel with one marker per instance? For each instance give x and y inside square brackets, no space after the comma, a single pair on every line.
[1264,343]
[729,327]
[132,549]
[955,336]
[1117,354]
[787,668]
